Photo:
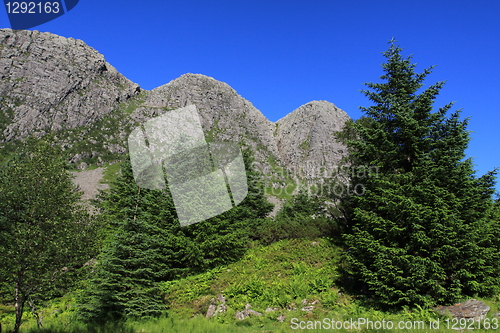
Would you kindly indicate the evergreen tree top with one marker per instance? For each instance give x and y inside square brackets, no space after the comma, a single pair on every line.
[422,232]
[401,128]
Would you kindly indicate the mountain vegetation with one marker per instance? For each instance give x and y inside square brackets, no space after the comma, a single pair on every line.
[146,245]
[383,220]
[46,235]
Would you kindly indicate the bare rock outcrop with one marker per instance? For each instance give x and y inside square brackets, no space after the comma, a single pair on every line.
[225,115]
[214,308]
[89,182]
[306,142]
[241,315]
[57,85]
[470,309]
[211,308]
[51,83]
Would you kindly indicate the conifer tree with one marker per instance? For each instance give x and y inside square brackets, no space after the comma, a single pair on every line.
[422,231]
[147,245]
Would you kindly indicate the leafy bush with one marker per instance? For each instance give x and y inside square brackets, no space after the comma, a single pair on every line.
[301,217]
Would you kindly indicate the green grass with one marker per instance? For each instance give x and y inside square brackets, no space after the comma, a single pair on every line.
[111,173]
[6,116]
[213,133]
[268,276]
[281,177]
[305,145]
[169,324]
[279,275]
[131,105]
[285,192]
[175,324]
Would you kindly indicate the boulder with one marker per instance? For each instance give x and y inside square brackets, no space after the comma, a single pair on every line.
[470,309]
[214,309]
[247,312]
[211,308]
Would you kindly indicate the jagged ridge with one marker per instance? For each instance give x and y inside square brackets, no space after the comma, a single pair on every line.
[51,84]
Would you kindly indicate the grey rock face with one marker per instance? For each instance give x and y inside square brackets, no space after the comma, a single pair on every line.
[88,181]
[214,309]
[271,309]
[469,309]
[306,142]
[301,144]
[50,83]
[241,315]
[60,85]
[211,308]
[225,115]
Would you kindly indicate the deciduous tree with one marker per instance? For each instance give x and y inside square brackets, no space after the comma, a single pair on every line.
[45,233]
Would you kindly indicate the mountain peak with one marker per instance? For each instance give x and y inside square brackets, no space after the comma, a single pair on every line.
[305,138]
[314,108]
[197,81]
[50,83]
[224,114]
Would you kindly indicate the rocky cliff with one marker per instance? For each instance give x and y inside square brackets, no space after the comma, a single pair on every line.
[62,88]
[305,139]
[225,115]
[50,83]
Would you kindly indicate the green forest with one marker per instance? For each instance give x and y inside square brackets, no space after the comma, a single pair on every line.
[418,230]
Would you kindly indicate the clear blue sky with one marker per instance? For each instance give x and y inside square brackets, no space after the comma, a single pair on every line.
[282,54]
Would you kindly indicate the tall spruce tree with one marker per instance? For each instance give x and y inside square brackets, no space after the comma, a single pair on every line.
[147,245]
[422,231]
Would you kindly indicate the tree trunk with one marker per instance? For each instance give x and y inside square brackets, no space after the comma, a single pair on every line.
[19,307]
[35,313]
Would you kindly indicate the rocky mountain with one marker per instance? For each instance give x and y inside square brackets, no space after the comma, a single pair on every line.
[225,115]
[64,89]
[305,139]
[51,83]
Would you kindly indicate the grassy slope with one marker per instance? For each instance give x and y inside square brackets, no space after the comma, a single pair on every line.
[279,275]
